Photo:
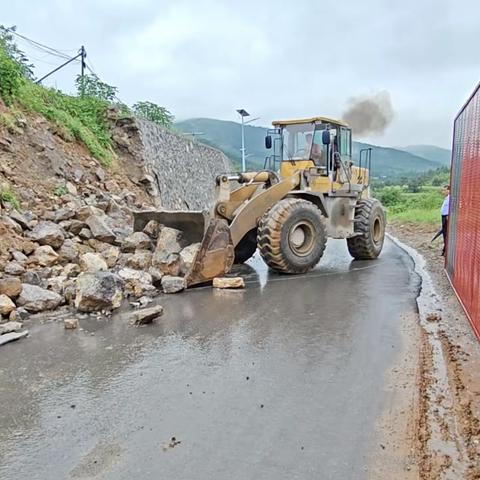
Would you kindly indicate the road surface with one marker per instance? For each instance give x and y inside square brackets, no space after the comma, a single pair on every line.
[284,380]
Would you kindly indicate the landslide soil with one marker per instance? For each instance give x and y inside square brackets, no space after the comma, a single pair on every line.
[460,423]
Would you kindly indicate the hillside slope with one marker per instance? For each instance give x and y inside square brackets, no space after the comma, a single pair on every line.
[226,135]
[431,152]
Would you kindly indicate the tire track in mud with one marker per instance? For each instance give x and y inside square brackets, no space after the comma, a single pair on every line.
[447,431]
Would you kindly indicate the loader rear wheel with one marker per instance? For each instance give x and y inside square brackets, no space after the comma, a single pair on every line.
[246,247]
[370,226]
[292,236]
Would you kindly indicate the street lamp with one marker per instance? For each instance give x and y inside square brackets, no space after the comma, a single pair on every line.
[243,113]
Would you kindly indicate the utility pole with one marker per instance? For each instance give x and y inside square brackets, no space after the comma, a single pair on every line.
[83,55]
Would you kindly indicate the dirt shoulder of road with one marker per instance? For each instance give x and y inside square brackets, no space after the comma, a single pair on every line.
[448,428]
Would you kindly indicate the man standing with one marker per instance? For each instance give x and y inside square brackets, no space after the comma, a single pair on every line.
[444,211]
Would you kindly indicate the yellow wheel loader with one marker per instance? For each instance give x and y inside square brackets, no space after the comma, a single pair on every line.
[309,190]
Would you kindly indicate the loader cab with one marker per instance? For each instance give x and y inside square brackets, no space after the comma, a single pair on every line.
[318,143]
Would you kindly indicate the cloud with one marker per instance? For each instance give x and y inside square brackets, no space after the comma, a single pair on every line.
[207,58]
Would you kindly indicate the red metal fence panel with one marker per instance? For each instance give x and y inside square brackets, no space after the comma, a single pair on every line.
[463,248]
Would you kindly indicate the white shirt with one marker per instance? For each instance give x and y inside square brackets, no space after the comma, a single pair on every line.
[445,205]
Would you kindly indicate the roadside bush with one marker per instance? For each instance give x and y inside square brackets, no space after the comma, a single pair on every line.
[154,113]
[11,76]
[389,196]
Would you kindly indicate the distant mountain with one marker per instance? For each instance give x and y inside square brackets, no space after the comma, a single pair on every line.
[226,136]
[431,152]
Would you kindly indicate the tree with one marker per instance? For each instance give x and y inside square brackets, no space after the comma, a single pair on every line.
[8,45]
[154,113]
[90,85]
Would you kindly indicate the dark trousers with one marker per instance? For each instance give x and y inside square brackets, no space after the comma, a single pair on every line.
[444,231]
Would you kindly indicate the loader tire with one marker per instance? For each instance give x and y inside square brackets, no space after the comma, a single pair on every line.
[292,236]
[247,247]
[370,226]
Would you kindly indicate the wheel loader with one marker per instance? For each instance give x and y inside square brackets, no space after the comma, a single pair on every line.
[309,189]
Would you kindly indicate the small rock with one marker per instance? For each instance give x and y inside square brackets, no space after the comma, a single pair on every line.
[228,282]
[173,284]
[19,256]
[37,299]
[100,173]
[63,214]
[76,226]
[83,213]
[85,234]
[44,256]
[10,327]
[12,224]
[68,253]
[141,260]
[111,255]
[71,270]
[146,315]
[157,275]
[136,241]
[92,262]
[6,305]
[21,219]
[100,230]
[28,247]
[32,277]
[152,228]
[10,286]
[71,189]
[14,268]
[136,282]
[98,291]
[48,233]
[70,323]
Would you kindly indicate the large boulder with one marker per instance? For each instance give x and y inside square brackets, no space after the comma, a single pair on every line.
[167,263]
[10,286]
[99,228]
[169,240]
[45,256]
[98,291]
[48,233]
[137,283]
[187,257]
[6,305]
[136,241]
[37,299]
[92,262]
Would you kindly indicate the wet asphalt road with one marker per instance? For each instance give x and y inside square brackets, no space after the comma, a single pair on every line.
[284,380]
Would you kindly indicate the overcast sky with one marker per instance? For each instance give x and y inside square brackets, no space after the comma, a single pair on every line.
[203,58]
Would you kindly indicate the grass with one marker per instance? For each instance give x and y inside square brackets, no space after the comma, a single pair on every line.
[422,207]
[81,117]
[8,196]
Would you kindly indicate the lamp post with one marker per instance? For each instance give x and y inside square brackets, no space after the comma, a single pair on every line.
[243,113]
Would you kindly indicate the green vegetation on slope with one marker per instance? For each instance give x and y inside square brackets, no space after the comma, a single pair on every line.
[415,200]
[388,163]
[79,117]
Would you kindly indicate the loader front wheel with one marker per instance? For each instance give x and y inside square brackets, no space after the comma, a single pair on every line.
[292,236]
[370,229]
[247,247]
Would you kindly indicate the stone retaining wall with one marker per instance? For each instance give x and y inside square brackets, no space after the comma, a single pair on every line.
[182,171]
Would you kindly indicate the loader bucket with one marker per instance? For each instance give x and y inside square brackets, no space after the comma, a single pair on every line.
[216,254]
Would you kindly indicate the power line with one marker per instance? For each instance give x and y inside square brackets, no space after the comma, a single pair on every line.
[39,45]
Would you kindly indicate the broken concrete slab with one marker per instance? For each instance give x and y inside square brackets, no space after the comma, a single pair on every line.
[10,337]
